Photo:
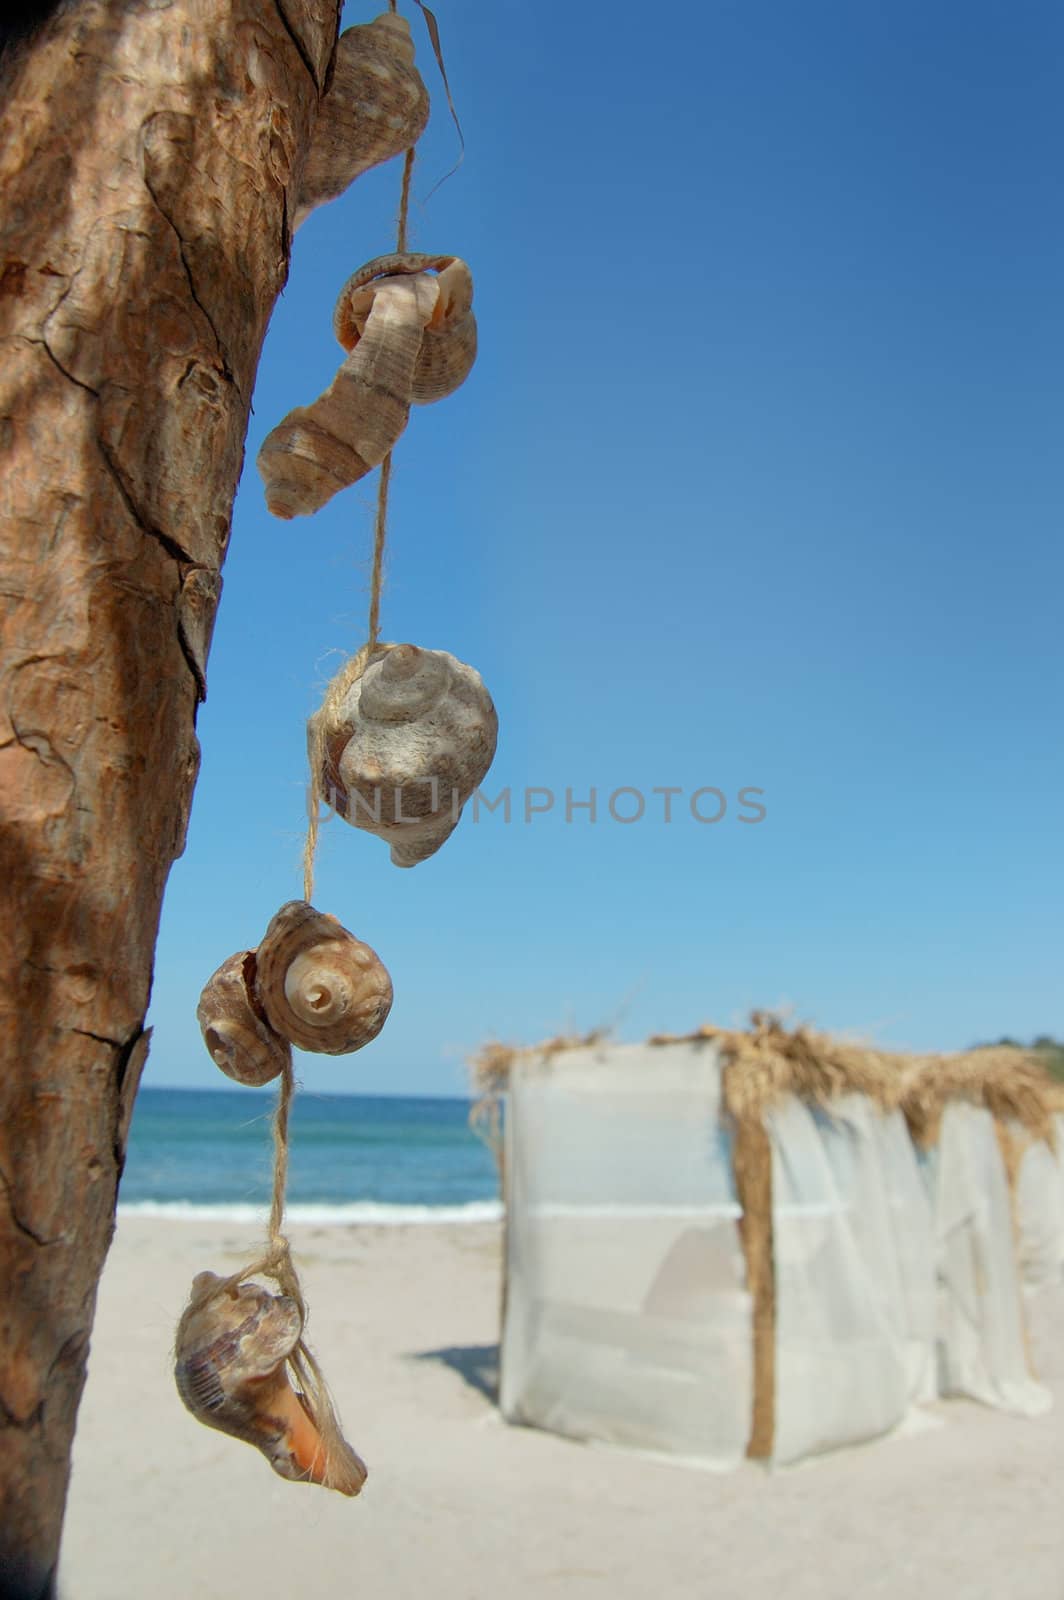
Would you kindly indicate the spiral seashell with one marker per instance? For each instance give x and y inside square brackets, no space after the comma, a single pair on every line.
[449,344]
[320,449]
[375,108]
[230,1369]
[407,746]
[238,1037]
[319,986]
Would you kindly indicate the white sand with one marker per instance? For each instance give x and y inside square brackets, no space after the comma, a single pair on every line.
[461,1507]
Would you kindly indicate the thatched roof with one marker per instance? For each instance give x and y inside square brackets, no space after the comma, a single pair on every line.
[1010,1083]
[490,1067]
[769,1060]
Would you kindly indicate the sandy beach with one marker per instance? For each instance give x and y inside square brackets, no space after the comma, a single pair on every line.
[460,1506]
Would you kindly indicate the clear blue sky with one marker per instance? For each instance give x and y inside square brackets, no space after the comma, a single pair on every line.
[757,482]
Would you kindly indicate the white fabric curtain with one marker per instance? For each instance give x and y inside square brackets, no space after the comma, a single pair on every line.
[842,1368]
[982,1348]
[1040,1214]
[875,1167]
[627,1319]
[1040,1225]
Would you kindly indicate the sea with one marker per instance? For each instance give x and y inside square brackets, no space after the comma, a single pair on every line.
[353,1158]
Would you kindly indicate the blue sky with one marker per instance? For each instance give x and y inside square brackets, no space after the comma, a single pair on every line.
[756,483]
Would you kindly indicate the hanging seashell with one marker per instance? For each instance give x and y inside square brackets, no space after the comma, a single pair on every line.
[319,449]
[449,343]
[375,108]
[406,747]
[240,1040]
[230,1368]
[319,986]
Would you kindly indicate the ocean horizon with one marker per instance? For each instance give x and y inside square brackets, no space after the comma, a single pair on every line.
[206,1154]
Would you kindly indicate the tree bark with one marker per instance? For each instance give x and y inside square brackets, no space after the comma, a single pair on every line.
[149,155]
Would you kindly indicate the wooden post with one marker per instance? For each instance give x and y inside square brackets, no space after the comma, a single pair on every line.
[752,1165]
[149,155]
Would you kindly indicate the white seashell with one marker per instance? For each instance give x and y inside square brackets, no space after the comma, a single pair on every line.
[408,745]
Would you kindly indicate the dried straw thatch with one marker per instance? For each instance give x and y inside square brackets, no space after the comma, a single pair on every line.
[770,1060]
[1008,1082]
[490,1067]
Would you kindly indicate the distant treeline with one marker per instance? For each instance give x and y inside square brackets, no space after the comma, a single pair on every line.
[1051,1051]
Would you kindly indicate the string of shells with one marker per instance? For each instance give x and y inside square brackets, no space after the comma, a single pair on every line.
[405,747]
[310,983]
[399,745]
[407,323]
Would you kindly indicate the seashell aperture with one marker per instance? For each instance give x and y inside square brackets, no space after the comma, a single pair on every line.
[449,343]
[375,108]
[231,1372]
[317,450]
[320,987]
[239,1039]
[408,745]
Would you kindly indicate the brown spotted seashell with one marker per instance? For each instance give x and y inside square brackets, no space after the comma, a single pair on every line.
[376,107]
[231,1372]
[320,987]
[407,747]
[449,343]
[239,1039]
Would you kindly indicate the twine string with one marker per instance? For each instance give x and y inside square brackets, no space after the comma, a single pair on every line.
[275,1261]
[327,715]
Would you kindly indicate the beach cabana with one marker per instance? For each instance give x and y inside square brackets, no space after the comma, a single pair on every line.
[716,1245]
[981,1120]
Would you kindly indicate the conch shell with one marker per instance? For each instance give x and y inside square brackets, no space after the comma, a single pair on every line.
[408,324]
[375,108]
[230,1367]
[406,747]
[449,343]
[235,1031]
[320,987]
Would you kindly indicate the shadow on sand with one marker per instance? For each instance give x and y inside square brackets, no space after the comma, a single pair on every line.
[476,1364]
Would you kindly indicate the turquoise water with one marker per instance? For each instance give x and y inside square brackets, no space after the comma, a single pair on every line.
[353,1157]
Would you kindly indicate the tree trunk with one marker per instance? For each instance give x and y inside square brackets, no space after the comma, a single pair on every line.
[149,151]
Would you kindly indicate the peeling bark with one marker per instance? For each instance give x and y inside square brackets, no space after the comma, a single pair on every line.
[148,153]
